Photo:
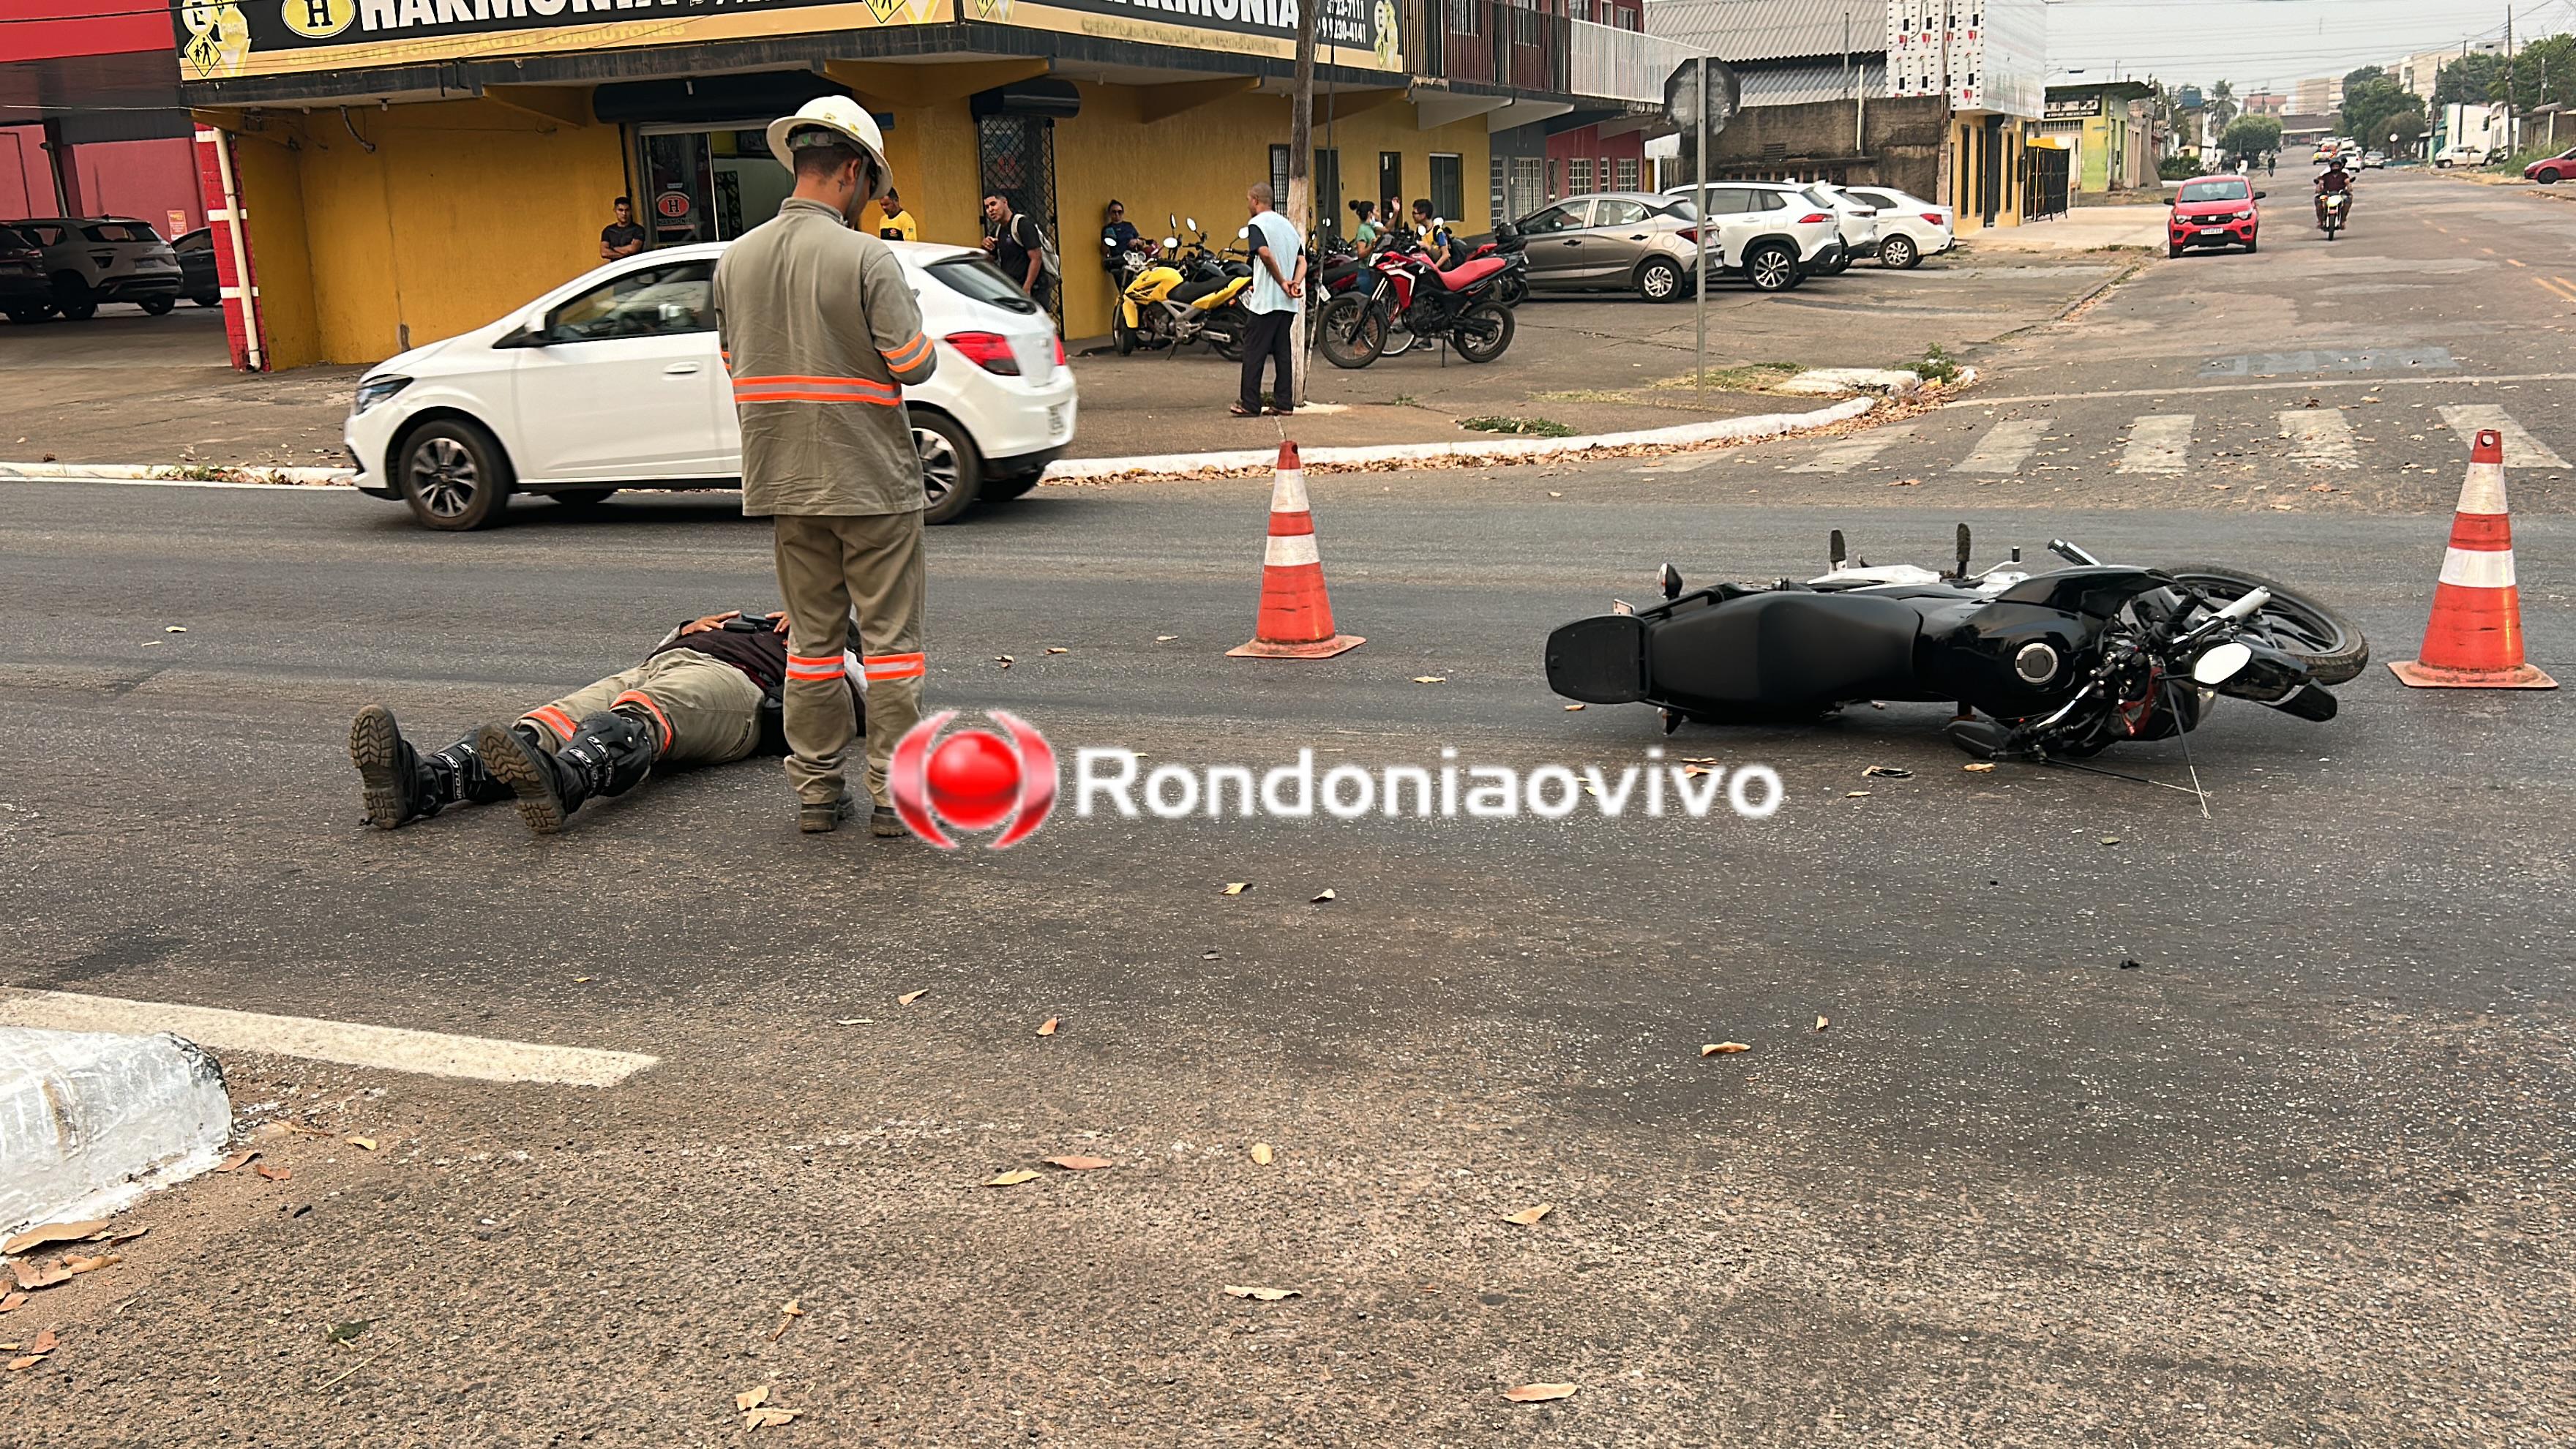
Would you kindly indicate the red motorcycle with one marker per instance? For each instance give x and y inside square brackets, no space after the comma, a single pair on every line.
[1401,299]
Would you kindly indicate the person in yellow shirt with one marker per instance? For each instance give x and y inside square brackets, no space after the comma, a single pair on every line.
[893,222]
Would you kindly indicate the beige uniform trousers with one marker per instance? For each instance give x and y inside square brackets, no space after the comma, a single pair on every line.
[707,710]
[828,565]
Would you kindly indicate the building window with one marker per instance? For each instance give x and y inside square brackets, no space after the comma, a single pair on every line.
[1578,176]
[1464,17]
[1627,173]
[1328,190]
[1525,187]
[1553,192]
[1448,187]
[1279,175]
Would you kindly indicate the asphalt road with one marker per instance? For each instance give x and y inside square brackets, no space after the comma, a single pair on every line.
[2298,1176]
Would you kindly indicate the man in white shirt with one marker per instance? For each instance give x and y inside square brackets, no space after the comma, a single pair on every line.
[1278,285]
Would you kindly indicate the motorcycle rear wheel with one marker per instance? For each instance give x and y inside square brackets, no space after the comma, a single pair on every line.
[2330,644]
[1350,332]
[1482,331]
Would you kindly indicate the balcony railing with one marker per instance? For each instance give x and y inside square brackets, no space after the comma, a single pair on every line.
[1489,42]
[1623,65]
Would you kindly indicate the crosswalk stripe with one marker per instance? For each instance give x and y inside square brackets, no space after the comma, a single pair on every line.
[2158,443]
[2320,437]
[2004,447]
[2521,449]
[1848,453]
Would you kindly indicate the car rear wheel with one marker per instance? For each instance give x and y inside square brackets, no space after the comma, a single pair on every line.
[1659,280]
[1771,267]
[157,306]
[72,297]
[1898,252]
[29,316]
[211,299]
[952,472]
[453,474]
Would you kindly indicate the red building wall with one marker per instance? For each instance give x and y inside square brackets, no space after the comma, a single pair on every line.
[54,29]
[52,53]
[1584,160]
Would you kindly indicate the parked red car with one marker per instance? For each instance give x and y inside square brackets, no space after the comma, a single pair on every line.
[2550,170]
[2214,211]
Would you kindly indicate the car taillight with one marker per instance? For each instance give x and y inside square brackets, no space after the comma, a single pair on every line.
[1936,218]
[1689,234]
[1814,217]
[990,351]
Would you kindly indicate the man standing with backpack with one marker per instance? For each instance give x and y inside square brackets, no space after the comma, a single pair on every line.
[1019,247]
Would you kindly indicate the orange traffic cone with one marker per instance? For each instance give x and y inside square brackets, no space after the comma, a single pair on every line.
[1296,620]
[2475,638]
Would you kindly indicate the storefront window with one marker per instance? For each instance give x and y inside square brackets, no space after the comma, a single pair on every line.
[710,185]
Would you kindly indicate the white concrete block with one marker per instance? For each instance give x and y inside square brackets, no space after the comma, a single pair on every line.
[90,1121]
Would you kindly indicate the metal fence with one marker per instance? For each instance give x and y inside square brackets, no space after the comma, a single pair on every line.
[1493,43]
[1624,65]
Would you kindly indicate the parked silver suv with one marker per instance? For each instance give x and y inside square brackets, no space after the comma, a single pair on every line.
[104,259]
[1611,241]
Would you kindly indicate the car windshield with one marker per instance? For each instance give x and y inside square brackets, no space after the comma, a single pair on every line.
[980,279]
[121,231]
[2213,191]
[1682,207]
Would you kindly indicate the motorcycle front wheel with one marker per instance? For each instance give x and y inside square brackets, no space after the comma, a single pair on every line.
[1350,332]
[1482,331]
[2331,645]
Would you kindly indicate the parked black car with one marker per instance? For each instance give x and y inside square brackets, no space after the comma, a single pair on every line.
[26,293]
[197,268]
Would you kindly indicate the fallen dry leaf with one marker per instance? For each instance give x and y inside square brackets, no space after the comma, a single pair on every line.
[769,1418]
[750,1399]
[1165,638]
[1855,794]
[1693,772]
[1723,1049]
[31,1277]
[273,1174]
[1263,1295]
[20,1365]
[1571,708]
[1431,679]
[1899,483]
[1080,1164]
[129,1235]
[909,997]
[1053,650]
[1539,1393]
[92,1265]
[2110,840]
[1261,1153]
[1556,495]
[52,1233]
[1012,1178]
[1528,1217]
[45,1342]
[854,1021]
[579,979]
[1237,887]
[363,1144]
[1822,1023]
[1326,896]
[174,629]
[238,1160]
[11,1302]
[788,1312]
[1981,767]
[1047,1027]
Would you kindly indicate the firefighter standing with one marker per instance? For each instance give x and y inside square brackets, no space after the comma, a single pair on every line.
[820,332]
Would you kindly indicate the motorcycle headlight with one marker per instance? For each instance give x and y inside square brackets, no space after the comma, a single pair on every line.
[374,390]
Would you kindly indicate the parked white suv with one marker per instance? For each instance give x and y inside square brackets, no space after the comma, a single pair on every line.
[612,381]
[1856,219]
[1774,234]
[1909,228]
[104,259]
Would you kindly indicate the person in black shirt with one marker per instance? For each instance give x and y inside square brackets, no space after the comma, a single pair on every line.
[622,237]
[708,694]
[1015,244]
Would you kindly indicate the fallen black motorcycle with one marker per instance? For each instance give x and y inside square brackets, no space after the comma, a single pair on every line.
[2056,664]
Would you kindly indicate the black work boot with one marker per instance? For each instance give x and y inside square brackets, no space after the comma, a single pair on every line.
[884,824]
[609,754]
[824,819]
[401,785]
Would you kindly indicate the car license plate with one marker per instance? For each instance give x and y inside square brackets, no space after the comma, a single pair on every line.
[2213,231]
[1055,421]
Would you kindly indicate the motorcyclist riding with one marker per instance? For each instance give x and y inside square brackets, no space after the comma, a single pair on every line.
[2334,180]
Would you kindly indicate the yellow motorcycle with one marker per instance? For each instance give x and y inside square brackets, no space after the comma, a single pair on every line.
[1188,294]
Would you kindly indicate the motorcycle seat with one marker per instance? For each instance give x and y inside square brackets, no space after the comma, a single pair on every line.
[1468,274]
[1788,650]
[1337,273]
[1197,287]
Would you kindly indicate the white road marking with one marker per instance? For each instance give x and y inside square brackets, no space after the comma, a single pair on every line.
[2004,447]
[431,1053]
[2320,437]
[2158,443]
[2521,449]
[1845,454]
[2374,384]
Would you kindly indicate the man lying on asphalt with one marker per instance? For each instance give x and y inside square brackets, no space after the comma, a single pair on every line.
[708,694]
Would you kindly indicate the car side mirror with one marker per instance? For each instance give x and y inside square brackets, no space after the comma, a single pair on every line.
[2259,195]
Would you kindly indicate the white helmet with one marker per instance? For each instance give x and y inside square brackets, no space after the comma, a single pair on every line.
[844,120]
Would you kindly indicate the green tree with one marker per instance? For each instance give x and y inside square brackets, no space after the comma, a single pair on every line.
[2222,105]
[2251,137]
[2362,76]
[2375,107]
[2543,71]
[2469,81]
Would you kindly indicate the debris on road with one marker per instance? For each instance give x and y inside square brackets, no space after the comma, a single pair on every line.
[1886,772]
[1539,1393]
[1261,1153]
[1264,1295]
[1080,1164]
[1723,1049]
[1431,679]
[1528,1217]
[1979,767]
[1237,887]
[788,1312]
[1047,1027]
[52,1233]
[1822,1023]
[909,997]
[1327,895]
[1013,1178]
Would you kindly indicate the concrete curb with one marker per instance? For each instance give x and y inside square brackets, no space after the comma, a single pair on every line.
[1462,453]
[89,1121]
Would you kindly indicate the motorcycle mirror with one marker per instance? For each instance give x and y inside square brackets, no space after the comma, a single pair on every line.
[1834,553]
[1669,579]
[2220,665]
[1192,222]
[1171,243]
[1243,234]
[1963,550]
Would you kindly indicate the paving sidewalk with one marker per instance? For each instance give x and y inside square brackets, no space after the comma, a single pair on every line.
[132,389]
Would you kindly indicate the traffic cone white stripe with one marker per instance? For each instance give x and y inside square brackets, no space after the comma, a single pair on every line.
[2478,568]
[1291,548]
[1288,492]
[2483,490]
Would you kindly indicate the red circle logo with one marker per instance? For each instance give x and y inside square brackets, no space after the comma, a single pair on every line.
[973,780]
[673,204]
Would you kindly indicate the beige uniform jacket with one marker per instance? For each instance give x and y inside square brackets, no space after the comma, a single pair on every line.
[820,331]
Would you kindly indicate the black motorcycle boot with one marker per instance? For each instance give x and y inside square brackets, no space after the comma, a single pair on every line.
[401,785]
[609,754]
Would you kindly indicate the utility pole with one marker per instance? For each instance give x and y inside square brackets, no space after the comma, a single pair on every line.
[1300,198]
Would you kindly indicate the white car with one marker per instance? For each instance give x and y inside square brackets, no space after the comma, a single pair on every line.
[612,381]
[1856,219]
[1775,234]
[1909,228]
[104,259]
[2450,156]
